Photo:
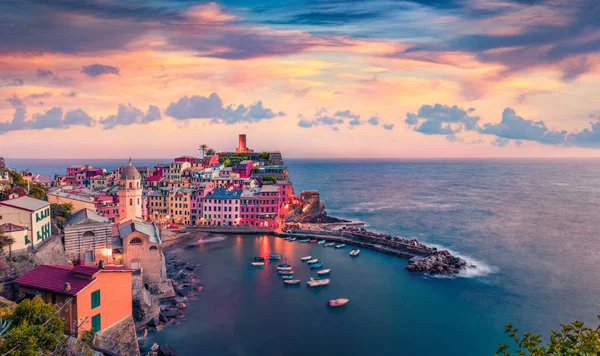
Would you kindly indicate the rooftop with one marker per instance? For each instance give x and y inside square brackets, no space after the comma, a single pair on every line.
[148,229]
[8,227]
[222,193]
[269,189]
[26,203]
[54,277]
[86,216]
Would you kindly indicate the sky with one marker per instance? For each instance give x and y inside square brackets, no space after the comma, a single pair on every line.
[309,78]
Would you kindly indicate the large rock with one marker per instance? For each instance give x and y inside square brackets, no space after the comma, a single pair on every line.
[119,338]
[166,350]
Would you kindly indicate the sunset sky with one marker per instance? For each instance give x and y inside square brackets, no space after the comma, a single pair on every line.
[311,78]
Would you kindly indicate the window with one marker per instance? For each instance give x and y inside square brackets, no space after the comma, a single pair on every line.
[96,323]
[96,299]
[136,265]
[135,241]
[153,248]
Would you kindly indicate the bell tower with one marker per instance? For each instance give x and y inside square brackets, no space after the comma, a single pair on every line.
[130,194]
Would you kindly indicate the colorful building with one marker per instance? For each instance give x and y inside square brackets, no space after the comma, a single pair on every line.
[260,206]
[19,235]
[221,207]
[30,213]
[139,247]
[244,168]
[96,297]
[88,238]
[130,194]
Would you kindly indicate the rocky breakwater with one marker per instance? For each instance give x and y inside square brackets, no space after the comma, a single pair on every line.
[187,284]
[438,263]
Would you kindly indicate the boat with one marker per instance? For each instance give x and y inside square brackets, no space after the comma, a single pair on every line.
[338,302]
[305,258]
[324,271]
[287,276]
[285,265]
[317,282]
[316,265]
[312,241]
[286,272]
[291,281]
[258,263]
[304,240]
[275,256]
[314,260]
[340,246]
[292,239]
[284,268]
[329,244]
[354,252]
[259,258]
[320,242]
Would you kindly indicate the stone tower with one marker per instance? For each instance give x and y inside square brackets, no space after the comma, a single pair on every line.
[130,194]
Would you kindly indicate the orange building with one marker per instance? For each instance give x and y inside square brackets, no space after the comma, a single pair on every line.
[90,298]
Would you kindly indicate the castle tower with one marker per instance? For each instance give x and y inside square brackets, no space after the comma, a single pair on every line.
[130,194]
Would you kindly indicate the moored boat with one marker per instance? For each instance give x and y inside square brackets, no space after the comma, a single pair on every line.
[292,239]
[354,252]
[320,242]
[287,276]
[275,256]
[317,282]
[284,268]
[325,271]
[258,263]
[304,240]
[285,265]
[316,265]
[305,258]
[259,258]
[291,281]
[340,246]
[329,244]
[338,302]
[286,272]
[312,241]
[314,260]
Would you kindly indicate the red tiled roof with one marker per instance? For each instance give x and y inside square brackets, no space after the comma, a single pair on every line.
[54,277]
[153,178]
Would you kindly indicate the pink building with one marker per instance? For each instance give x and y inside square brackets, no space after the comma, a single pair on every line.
[196,200]
[260,206]
[189,159]
[244,168]
[221,207]
[210,161]
[72,170]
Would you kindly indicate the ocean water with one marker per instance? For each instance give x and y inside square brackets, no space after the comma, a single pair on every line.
[531,226]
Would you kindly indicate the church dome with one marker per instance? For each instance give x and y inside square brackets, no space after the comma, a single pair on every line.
[130,172]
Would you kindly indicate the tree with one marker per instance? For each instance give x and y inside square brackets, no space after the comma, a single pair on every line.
[35,326]
[203,147]
[227,162]
[5,241]
[61,213]
[573,339]
[264,156]
[271,179]
[211,152]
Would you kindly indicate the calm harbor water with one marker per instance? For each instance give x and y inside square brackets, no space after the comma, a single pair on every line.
[531,226]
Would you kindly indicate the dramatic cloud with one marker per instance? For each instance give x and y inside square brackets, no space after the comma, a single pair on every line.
[442,120]
[51,119]
[515,127]
[129,115]
[95,70]
[323,118]
[200,107]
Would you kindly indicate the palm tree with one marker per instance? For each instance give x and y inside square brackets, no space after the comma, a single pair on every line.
[211,151]
[203,148]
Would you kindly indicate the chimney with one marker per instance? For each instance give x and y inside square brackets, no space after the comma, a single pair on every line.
[67,287]
[101,264]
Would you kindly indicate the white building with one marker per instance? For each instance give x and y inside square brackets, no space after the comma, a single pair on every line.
[28,213]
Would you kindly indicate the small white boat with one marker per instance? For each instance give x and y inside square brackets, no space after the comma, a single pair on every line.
[284,268]
[338,302]
[291,281]
[286,272]
[320,242]
[314,260]
[325,271]
[329,244]
[258,263]
[317,282]
[340,246]
[305,258]
[354,252]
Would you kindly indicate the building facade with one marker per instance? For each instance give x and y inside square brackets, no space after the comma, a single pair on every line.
[88,238]
[130,194]
[32,214]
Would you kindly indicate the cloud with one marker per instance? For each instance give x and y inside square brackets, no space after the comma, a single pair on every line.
[388,126]
[53,77]
[51,119]
[374,121]
[15,101]
[589,138]
[11,82]
[441,119]
[517,128]
[211,107]
[44,95]
[129,115]
[95,70]
[340,117]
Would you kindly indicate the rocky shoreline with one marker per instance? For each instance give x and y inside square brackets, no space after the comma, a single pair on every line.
[187,284]
[438,263]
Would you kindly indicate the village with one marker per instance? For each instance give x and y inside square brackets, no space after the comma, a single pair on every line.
[92,243]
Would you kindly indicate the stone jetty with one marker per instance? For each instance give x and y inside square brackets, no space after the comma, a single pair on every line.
[438,263]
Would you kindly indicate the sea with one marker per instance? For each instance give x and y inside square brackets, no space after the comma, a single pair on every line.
[531,226]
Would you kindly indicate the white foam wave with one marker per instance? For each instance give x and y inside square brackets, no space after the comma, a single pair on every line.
[481,269]
[210,239]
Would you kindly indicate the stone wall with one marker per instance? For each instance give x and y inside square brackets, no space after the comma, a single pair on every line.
[119,338]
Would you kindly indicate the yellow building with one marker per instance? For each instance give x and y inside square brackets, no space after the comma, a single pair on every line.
[29,213]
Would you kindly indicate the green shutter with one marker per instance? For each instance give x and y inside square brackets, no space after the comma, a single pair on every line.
[96,299]
[96,323]
[27,242]
[37,217]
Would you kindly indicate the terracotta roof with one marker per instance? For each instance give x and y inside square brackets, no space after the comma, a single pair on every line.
[53,277]
[153,178]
